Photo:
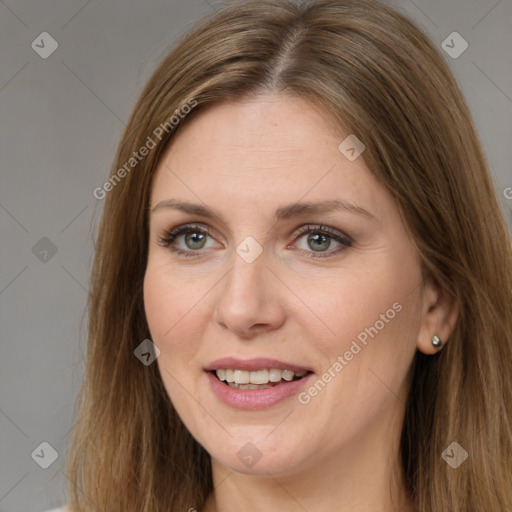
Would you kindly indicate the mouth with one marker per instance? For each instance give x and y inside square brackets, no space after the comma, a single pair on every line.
[255,384]
[257,379]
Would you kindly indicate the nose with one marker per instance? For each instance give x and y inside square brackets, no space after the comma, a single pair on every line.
[249,301]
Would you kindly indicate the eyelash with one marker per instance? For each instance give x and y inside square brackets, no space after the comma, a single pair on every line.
[169,237]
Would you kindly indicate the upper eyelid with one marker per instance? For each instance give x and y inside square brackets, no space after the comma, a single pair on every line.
[322,228]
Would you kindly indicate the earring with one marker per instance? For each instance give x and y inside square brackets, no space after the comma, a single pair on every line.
[436,341]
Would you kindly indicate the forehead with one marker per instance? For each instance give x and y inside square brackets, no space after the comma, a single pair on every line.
[262,150]
[275,123]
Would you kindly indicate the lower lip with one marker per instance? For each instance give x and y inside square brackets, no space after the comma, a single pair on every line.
[255,399]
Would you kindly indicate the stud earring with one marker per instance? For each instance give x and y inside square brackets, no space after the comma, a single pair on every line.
[436,341]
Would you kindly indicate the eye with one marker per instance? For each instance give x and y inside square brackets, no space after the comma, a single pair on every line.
[320,238]
[194,237]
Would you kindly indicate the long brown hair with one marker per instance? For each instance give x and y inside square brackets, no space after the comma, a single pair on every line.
[377,75]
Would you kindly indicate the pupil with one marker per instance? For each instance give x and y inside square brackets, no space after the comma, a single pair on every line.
[193,238]
[318,236]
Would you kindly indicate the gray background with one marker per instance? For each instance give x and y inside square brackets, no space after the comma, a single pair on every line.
[61,118]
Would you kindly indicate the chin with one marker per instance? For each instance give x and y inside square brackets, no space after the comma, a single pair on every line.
[261,456]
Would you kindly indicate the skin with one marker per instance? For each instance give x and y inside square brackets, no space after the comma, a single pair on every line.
[339,451]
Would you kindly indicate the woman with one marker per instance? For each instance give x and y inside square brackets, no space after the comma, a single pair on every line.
[301,297]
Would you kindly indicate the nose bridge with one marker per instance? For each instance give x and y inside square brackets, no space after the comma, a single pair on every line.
[249,262]
[245,280]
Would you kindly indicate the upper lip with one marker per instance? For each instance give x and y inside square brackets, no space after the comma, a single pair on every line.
[259,363]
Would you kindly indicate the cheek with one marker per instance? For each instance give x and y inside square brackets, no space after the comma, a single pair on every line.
[345,305]
[168,299]
[159,302]
[173,312]
[369,317]
[173,325]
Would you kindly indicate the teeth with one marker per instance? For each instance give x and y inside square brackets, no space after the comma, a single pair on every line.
[275,375]
[288,375]
[258,377]
[248,386]
[243,379]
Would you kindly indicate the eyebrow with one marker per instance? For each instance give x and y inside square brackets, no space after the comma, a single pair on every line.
[282,213]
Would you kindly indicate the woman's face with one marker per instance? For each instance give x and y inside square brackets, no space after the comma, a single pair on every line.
[259,289]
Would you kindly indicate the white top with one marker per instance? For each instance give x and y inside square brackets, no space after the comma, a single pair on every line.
[62,509]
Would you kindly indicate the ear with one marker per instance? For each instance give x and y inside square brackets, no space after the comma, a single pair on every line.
[439,316]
